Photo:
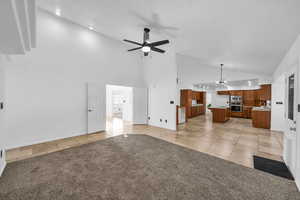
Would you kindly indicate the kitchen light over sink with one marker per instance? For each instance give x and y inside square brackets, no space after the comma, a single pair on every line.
[221,82]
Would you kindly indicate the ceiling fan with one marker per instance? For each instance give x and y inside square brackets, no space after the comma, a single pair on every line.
[147,46]
[221,81]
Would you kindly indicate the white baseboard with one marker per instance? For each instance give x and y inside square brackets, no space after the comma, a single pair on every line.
[2,167]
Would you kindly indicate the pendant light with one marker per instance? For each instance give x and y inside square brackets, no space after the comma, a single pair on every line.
[221,82]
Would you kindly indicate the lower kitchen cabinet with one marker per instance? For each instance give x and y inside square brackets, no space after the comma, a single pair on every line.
[261,119]
[236,114]
[247,112]
[197,110]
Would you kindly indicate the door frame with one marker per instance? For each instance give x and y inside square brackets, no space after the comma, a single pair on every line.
[291,144]
[104,84]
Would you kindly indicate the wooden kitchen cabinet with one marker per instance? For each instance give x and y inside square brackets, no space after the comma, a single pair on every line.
[249,97]
[237,114]
[197,110]
[264,93]
[223,93]
[236,93]
[186,101]
[220,114]
[186,98]
[261,119]
[247,112]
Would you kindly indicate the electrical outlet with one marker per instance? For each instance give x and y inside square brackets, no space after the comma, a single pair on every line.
[166,121]
[148,118]
[160,120]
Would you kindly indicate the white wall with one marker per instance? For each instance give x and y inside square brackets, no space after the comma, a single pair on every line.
[108,101]
[160,76]
[192,71]
[291,59]
[278,95]
[46,89]
[2,159]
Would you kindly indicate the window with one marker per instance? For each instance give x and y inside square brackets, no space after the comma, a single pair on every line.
[291,97]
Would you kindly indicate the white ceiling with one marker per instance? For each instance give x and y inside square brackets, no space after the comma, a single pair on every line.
[248,35]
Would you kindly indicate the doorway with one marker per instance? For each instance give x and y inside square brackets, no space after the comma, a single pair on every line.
[114,108]
[119,108]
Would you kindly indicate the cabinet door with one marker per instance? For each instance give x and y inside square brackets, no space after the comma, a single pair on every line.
[189,97]
[264,93]
[249,97]
[192,112]
[223,92]
[267,91]
[236,93]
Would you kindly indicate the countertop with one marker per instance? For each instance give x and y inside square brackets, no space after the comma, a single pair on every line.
[219,107]
[194,105]
[261,109]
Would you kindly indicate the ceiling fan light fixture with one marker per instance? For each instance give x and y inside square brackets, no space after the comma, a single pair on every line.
[146,49]
[146,46]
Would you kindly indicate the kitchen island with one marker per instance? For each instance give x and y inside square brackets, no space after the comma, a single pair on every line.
[220,114]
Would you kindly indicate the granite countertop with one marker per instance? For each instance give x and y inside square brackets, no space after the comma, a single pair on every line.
[220,107]
[261,108]
[193,105]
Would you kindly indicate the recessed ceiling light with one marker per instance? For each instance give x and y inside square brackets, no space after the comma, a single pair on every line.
[91,28]
[58,12]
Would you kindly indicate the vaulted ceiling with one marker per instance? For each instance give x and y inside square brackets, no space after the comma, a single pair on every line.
[247,35]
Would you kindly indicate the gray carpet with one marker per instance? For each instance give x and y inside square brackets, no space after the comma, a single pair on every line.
[138,167]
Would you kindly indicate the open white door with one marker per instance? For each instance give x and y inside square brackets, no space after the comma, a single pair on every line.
[96,107]
[290,134]
[140,106]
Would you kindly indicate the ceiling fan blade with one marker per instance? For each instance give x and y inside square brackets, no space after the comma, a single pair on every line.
[159,43]
[133,42]
[135,49]
[146,53]
[157,50]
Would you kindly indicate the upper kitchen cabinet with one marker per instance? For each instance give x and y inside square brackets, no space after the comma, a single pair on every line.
[236,93]
[223,93]
[264,93]
[249,97]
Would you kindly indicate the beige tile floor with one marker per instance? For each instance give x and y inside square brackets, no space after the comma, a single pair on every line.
[235,141]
